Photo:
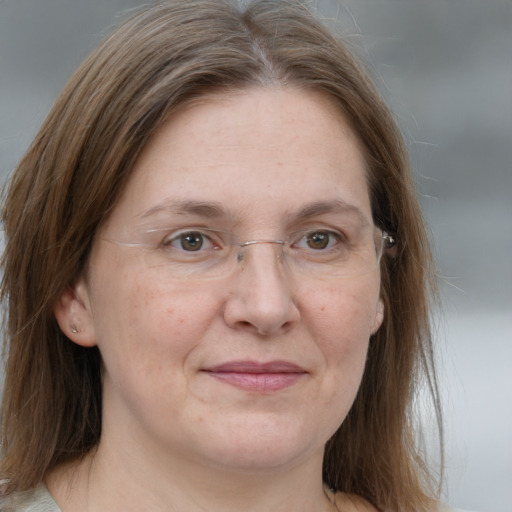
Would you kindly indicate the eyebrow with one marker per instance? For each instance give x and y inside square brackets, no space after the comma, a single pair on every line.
[335,206]
[211,209]
[214,209]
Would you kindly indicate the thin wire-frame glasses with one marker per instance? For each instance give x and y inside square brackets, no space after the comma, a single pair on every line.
[201,253]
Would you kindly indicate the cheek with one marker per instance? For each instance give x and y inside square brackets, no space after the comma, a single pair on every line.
[340,319]
[342,315]
[145,325]
[149,345]
[171,316]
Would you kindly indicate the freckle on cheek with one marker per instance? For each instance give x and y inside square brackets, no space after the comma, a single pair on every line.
[322,308]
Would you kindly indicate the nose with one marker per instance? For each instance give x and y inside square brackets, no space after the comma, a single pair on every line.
[261,298]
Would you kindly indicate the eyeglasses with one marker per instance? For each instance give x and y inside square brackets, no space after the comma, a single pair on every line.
[201,253]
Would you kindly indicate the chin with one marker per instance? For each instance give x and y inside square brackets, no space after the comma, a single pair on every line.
[265,446]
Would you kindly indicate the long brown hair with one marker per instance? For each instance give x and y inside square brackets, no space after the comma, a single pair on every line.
[75,170]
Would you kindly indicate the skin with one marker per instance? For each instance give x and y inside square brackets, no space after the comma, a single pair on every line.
[183,439]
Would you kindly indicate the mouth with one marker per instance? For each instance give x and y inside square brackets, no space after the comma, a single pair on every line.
[258,377]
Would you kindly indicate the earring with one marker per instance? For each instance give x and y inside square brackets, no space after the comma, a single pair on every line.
[74,330]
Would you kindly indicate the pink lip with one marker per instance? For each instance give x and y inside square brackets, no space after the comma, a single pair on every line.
[258,377]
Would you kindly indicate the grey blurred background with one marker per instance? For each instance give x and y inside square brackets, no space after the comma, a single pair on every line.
[445,67]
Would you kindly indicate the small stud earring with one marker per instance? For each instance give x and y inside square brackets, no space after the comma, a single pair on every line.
[74,330]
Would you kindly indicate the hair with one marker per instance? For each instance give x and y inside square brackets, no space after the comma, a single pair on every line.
[74,172]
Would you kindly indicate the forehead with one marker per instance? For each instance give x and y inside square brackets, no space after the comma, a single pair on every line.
[264,151]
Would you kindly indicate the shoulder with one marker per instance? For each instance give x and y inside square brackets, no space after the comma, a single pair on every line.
[33,500]
[446,508]
[353,503]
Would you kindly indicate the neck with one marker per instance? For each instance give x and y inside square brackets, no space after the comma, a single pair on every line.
[113,481]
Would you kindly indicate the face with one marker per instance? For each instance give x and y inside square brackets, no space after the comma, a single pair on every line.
[258,366]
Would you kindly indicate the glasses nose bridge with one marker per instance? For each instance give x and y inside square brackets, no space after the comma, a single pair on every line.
[240,257]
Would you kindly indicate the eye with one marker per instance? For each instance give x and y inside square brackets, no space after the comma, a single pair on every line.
[318,240]
[190,241]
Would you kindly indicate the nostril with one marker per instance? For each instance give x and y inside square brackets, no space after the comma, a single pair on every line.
[248,325]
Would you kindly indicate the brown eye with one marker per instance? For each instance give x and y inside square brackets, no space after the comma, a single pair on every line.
[318,240]
[191,241]
[201,242]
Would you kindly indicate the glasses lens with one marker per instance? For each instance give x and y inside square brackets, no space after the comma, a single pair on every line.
[327,254]
[201,253]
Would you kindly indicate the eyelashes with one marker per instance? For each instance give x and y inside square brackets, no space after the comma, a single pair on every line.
[199,240]
[189,241]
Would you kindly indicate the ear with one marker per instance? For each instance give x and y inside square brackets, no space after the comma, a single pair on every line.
[73,313]
[379,317]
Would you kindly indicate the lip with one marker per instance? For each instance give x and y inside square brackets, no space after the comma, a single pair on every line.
[258,377]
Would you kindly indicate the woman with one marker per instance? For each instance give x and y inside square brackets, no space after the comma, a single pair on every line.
[217,278]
